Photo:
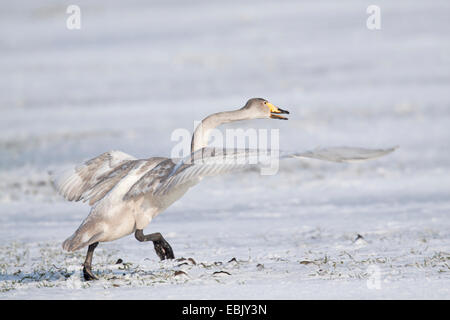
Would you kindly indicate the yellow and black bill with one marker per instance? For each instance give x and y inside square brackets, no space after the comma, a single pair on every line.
[275,112]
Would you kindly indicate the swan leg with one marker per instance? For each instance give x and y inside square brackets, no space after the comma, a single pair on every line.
[162,247]
[87,272]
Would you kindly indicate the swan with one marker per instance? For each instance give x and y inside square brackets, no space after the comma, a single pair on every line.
[126,193]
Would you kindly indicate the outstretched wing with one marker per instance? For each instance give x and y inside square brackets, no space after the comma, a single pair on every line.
[94,178]
[205,162]
[213,161]
[343,154]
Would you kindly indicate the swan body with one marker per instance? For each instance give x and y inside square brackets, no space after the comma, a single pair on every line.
[111,217]
[126,193]
[120,187]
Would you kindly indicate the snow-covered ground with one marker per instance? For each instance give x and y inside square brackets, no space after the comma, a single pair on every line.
[137,70]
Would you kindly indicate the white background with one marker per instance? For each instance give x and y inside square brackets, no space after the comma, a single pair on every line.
[136,71]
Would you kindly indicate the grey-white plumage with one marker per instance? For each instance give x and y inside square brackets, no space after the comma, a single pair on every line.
[103,181]
[127,193]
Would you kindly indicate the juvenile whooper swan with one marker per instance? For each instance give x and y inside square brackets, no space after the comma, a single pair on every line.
[126,193]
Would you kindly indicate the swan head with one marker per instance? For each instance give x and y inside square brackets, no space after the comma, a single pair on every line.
[261,108]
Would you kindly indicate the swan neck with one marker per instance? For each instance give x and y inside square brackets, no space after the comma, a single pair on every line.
[201,134]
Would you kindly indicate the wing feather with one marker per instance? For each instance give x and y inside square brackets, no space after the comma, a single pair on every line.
[213,161]
[90,180]
[344,154]
[170,173]
[151,179]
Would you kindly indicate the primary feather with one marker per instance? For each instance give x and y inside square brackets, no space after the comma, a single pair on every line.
[94,177]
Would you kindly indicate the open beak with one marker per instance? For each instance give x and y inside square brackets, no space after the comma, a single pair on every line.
[275,112]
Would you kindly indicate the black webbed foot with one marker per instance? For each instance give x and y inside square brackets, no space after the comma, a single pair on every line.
[163,249]
[88,275]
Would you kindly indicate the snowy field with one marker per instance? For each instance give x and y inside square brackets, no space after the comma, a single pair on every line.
[137,70]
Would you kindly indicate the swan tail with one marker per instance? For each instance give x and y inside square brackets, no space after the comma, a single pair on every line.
[79,240]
